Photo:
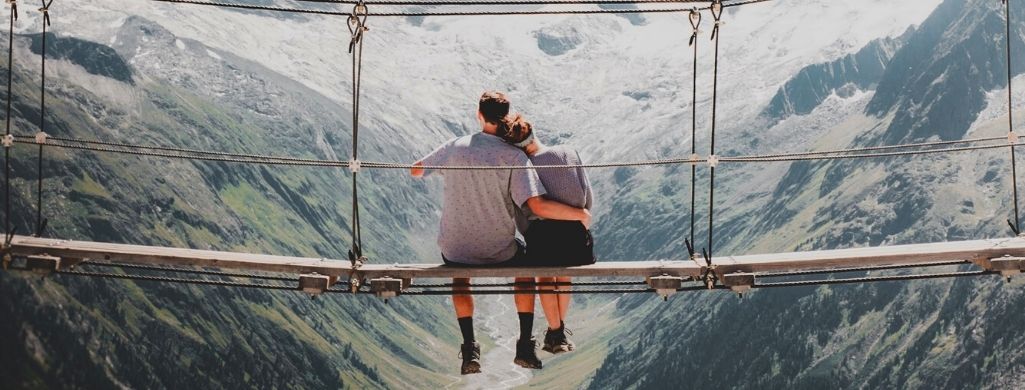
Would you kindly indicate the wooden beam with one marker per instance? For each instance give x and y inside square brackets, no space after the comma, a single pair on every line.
[979,251]
[138,254]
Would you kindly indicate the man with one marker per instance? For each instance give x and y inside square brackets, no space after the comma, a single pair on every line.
[479,217]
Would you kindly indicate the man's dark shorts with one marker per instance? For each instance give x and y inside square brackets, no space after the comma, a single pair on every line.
[518,260]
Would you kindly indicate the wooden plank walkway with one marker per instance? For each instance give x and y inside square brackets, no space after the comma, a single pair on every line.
[979,252]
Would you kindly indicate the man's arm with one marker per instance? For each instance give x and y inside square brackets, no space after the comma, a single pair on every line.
[550,209]
[417,170]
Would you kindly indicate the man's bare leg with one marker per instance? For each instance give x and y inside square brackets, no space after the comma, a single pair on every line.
[463,303]
[526,356]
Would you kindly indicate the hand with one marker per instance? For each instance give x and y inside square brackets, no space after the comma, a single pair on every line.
[586,221]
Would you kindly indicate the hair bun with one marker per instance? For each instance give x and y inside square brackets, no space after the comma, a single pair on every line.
[514,128]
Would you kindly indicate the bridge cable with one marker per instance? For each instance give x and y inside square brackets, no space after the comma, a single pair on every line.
[695,22]
[872,279]
[860,269]
[451,13]
[202,155]
[710,277]
[165,279]
[8,140]
[188,271]
[357,26]
[41,135]
[429,3]
[1015,227]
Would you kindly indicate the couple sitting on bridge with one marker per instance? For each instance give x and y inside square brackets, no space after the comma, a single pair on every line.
[484,209]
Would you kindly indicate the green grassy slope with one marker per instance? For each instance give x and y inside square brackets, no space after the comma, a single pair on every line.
[71,332]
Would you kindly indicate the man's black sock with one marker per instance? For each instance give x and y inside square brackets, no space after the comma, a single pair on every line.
[526,325]
[466,326]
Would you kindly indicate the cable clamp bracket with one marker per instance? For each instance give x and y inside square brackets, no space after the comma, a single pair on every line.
[14,8]
[694,159]
[357,24]
[41,138]
[713,161]
[6,250]
[8,140]
[716,9]
[46,11]
[695,21]
[355,165]
[1012,137]
[709,276]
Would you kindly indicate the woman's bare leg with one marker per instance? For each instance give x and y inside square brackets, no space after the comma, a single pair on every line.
[550,304]
[563,298]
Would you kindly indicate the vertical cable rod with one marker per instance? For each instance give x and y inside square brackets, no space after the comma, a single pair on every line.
[41,136]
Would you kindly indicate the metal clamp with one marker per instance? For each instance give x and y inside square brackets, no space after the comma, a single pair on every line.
[41,137]
[695,21]
[665,285]
[716,9]
[8,140]
[694,159]
[1012,137]
[739,282]
[14,8]
[314,283]
[46,11]
[40,264]
[1007,265]
[713,161]
[355,165]
[386,287]
[357,23]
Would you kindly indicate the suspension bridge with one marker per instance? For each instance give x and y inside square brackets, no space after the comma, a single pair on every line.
[359,275]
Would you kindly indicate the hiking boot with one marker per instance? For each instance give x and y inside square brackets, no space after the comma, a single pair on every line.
[470,353]
[556,341]
[526,354]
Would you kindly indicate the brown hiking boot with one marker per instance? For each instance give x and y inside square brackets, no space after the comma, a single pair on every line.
[470,353]
[556,341]
[526,354]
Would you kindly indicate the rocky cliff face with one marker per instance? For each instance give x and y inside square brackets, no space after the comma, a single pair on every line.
[812,85]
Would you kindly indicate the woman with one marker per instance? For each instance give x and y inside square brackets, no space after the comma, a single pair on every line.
[551,242]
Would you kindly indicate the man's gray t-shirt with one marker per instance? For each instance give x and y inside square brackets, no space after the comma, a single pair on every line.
[479,210]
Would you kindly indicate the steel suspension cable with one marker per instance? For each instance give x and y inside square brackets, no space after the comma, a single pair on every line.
[178,153]
[446,13]
[189,271]
[41,136]
[716,10]
[8,140]
[695,22]
[872,279]
[533,284]
[430,3]
[860,269]
[357,26]
[166,279]
[1016,227]
[192,154]
[866,149]
[866,155]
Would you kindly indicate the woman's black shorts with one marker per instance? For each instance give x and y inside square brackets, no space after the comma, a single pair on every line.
[558,243]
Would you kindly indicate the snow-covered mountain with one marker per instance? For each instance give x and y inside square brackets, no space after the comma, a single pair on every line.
[793,76]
